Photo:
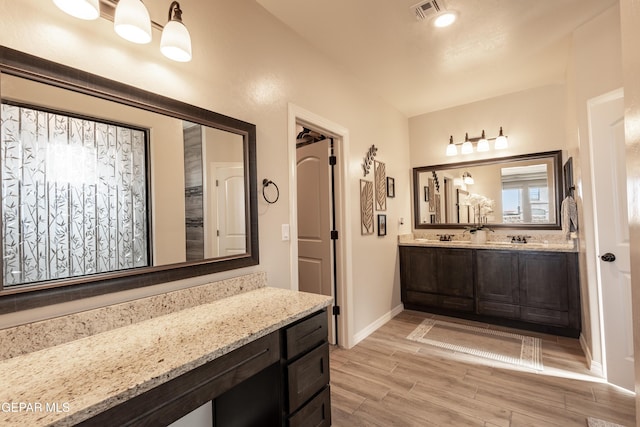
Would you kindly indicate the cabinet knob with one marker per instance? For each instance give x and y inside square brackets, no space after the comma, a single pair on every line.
[608,257]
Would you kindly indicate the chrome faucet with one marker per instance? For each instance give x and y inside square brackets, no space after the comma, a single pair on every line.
[445,237]
[519,239]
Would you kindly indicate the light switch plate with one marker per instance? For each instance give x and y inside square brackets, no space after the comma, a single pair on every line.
[285,232]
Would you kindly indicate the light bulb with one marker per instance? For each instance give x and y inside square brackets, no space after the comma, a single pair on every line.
[445,19]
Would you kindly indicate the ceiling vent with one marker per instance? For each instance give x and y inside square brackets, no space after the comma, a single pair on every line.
[428,8]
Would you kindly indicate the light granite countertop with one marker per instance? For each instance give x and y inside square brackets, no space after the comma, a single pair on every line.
[410,240]
[70,382]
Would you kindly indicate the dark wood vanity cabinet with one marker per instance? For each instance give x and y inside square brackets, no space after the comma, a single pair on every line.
[432,277]
[306,364]
[281,379]
[497,283]
[529,289]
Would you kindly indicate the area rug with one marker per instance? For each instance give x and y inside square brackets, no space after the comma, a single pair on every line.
[520,350]
[596,422]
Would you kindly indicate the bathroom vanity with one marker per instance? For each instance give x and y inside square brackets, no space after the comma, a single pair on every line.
[530,286]
[261,357]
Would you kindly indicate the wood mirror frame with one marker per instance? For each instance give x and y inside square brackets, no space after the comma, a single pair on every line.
[556,156]
[57,291]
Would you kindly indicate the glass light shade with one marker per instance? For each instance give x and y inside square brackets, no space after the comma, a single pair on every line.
[452,150]
[83,9]
[483,145]
[468,179]
[445,19]
[467,147]
[176,42]
[502,142]
[132,21]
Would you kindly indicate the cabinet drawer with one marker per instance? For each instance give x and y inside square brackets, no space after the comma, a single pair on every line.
[421,298]
[316,413]
[455,303]
[306,335]
[548,317]
[307,376]
[499,309]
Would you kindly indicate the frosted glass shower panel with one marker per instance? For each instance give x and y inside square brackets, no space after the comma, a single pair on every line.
[74,196]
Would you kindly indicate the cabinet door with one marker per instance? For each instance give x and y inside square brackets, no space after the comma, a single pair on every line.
[497,275]
[544,280]
[455,272]
[419,269]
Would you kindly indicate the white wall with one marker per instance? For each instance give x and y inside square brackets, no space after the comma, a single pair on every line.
[534,121]
[247,65]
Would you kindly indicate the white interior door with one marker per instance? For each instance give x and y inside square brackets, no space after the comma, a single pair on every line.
[606,115]
[314,221]
[231,235]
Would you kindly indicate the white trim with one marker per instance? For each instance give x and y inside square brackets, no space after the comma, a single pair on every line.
[596,368]
[344,253]
[377,324]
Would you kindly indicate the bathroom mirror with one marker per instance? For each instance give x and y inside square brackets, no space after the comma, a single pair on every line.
[521,191]
[107,187]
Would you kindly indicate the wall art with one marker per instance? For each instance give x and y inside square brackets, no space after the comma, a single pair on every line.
[382,225]
[380,176]
[391,187]
[366,207]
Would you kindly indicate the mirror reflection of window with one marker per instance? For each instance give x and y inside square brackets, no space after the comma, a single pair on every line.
[525,194]
[74,196]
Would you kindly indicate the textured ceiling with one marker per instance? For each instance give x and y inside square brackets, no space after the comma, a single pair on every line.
[495,47]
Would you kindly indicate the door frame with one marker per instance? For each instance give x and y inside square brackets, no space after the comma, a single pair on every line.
[344,274]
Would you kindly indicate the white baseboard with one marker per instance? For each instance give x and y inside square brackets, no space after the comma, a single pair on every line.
[377,324]
[595,367]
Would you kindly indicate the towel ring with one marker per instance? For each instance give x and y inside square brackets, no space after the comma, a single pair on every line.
[265,184]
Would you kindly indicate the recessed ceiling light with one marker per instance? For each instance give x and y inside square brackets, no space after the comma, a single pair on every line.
[445,19]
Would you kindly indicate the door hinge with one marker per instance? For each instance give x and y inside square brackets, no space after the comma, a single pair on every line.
[217,183]
[218,233]
[334,234]
[336,310]
[333,160]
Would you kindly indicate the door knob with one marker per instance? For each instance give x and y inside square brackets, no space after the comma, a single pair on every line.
[608,257]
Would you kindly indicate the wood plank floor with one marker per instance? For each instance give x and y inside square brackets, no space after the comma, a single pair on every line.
[387,380]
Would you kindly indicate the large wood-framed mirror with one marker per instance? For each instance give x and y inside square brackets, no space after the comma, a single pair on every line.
[516,192]
[106,187]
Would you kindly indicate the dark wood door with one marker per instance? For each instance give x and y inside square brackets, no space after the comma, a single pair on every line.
[419,269]
[497,276]
[455,272]
[544,280]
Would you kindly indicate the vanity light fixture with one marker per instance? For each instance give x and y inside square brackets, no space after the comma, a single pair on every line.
[82,9]
[467,178]
[467,146]
[482,142]
[501,141]
[176,42]
[131,21]
[452,150]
